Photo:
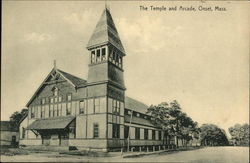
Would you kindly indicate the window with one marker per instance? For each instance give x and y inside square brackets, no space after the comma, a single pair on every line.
[117,60]
[97,105]
[51,100]
[93,56]
[126,132]
[43,112]
[72,132]
[159,135]
[36,112]
[68,109]
[153,134]
[32,112]
[23,132]
[137,133]
[60,99]
[96,130]
[146,134]
[59,109]
[98,55]
[120,62]
[116,106]
[69,97]
[116,130]
[51,108]
[55,91]
[103,54]
[110,55]
[114,56]
[43,101]
[55,110]
[82,108]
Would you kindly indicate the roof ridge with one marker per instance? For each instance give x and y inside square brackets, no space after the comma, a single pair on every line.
[70,74]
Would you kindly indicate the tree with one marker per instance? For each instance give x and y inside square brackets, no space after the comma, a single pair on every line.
[240,134]
[173,121]
[17,116]
[212,135]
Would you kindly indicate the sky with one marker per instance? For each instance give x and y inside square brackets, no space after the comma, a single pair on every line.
[201,59]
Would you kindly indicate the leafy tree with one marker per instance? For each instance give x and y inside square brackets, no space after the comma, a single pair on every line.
[17,116]
[173,121]
[212,135]
[240,134]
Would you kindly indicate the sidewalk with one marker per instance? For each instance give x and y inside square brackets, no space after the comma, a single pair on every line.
[140,154]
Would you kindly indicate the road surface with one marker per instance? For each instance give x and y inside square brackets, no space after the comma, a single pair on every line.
[210,155]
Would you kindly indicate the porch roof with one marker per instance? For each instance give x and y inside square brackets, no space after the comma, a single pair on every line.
[51,123]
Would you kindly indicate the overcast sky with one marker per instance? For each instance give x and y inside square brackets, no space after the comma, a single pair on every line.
[200,59]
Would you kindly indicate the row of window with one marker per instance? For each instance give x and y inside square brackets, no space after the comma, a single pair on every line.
[138,133]
[100,54]
[56,99]
[96,105]
[115,132]
[136,114]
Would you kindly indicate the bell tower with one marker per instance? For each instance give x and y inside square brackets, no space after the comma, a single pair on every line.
[106,53]
[105,79]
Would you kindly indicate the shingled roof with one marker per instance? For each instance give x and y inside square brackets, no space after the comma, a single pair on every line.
[135,105]
[75,80]
[9,126]
[105,32]
[51,123]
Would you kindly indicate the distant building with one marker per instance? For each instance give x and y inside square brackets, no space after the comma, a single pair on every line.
[9,133]
[94,113]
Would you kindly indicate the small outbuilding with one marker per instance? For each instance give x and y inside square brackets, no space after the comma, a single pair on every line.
[9,133]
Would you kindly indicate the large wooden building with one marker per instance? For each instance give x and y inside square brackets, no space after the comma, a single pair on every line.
[94,113]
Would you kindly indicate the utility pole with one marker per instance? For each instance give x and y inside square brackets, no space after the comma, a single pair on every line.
[131,116]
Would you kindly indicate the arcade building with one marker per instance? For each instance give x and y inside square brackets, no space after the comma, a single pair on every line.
[95,113]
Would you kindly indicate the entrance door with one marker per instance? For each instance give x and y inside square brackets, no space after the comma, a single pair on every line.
[60,140]
[13,140]
[46,140]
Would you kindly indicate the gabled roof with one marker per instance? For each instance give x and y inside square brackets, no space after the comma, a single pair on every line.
[9,126]
[24,116]
[51,123]
[73,80]
[135,105]
[105,32]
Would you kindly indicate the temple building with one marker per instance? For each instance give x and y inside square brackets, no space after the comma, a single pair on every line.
[95,113]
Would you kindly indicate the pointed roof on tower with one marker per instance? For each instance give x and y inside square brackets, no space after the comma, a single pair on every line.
[105,32]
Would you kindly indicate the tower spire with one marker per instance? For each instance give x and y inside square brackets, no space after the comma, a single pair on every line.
[105,33]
